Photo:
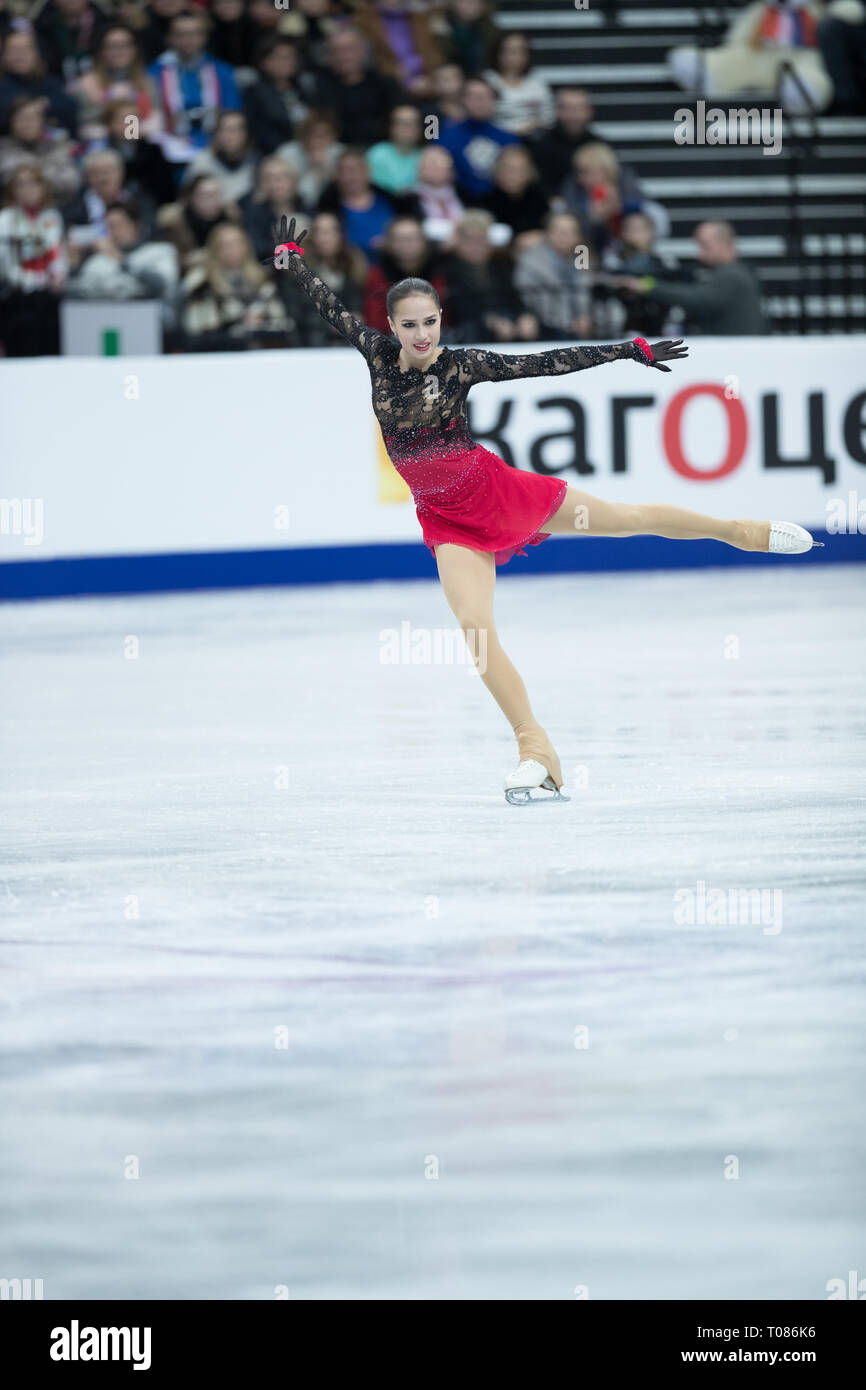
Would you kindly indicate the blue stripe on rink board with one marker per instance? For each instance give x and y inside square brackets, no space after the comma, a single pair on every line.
[129,574]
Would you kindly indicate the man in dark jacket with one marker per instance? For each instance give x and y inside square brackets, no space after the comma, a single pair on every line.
[552,149]
[725,299]
[279,100]
[68,32]
[360,98]
[482,304]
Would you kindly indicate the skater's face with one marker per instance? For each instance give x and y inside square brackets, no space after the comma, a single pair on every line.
[417,323]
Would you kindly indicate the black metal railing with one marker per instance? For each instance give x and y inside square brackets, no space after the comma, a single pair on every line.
[800,149]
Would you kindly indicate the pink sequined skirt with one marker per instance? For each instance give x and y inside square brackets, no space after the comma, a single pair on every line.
[490,506]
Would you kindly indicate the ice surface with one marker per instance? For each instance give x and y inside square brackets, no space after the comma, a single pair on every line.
[431,951]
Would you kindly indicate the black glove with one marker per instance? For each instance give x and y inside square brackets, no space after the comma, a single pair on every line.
[657,354]
[284,234]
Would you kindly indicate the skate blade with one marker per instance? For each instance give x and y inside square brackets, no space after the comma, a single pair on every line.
[522,796]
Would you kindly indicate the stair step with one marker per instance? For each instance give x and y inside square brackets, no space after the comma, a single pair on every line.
[593,74]
[763,247]
[829,128]
[739,213]
[567,17]
[780,184]
[600,48]
[750,160]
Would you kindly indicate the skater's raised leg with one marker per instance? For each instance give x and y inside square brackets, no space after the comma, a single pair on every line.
[582,514]
[468,579]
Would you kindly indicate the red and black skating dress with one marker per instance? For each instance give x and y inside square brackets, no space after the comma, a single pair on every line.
[463,493]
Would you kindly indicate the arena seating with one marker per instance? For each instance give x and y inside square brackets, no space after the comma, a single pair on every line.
[800,215]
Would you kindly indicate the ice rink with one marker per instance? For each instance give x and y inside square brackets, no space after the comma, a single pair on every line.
[293,1001]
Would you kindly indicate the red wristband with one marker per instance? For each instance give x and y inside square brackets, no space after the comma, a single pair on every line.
[289,246]
[645,347]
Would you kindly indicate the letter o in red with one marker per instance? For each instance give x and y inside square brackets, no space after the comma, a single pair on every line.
[671,432]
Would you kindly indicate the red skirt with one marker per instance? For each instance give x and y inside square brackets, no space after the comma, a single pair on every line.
[490,507]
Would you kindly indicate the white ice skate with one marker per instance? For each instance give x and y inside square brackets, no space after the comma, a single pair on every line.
[787,538]
[531,776]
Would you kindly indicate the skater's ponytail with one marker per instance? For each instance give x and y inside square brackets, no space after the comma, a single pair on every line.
[404,288]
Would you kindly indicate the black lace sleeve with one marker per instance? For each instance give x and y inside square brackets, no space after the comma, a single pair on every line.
[333,311]
[476,364]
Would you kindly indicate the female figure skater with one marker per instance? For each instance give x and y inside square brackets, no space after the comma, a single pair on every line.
[475,511]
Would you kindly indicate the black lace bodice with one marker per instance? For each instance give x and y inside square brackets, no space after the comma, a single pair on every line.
[422,412]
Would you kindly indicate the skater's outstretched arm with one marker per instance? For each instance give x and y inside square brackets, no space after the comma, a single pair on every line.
[477,364]
[332,310]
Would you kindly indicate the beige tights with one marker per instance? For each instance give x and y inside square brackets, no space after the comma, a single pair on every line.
[468,578]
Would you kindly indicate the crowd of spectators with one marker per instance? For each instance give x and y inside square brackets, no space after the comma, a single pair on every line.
[148,148]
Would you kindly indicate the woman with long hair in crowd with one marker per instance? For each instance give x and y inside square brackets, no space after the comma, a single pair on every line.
[118,71]
[33,265]
[314,153]
[228,300]
[145,163]
[341,265]
[601,193]
[30,141]
[229,157]
[23,73]
[188,223]
[524,101]
[475,512]
[274,196]
[274,103]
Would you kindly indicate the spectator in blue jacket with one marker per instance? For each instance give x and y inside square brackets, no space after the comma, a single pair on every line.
[192,85]
[475,144]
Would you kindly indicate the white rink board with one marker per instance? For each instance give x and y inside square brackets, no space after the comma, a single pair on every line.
[213,445]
